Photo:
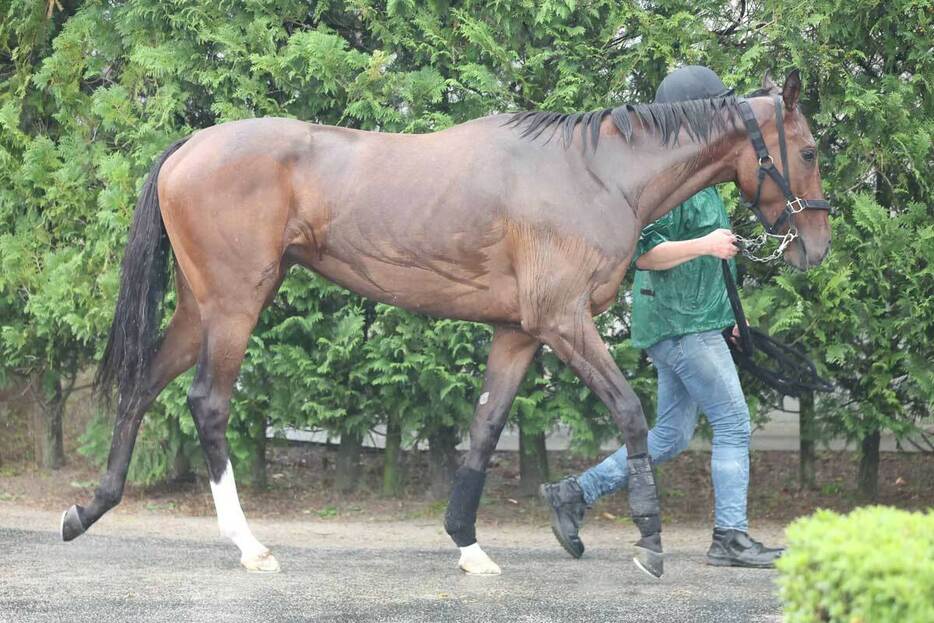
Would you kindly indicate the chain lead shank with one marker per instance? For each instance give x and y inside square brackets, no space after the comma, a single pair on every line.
[749,246]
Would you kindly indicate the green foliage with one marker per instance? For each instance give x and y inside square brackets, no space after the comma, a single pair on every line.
[866,313]
[90,97]
[875,564]
[428,371]
[154,451]
[48,281]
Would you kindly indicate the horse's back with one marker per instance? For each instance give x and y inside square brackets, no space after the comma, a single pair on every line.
[432,222]
[412,220]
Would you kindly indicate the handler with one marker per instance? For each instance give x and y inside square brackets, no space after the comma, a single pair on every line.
[679,309]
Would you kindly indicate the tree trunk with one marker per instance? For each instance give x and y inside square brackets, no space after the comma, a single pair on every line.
[18,421]
[533,460]
[347,475]
[181,467]
[48,416]
[442,454]
[392,478]
[868,480]
[258,466]
[181,464]
[807,424]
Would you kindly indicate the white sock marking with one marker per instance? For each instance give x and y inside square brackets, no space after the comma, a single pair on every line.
[230,516]
[472,550]
[475,561]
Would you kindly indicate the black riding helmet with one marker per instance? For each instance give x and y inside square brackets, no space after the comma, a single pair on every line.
[691,82]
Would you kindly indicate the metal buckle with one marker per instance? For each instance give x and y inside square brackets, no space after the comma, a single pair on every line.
[766,160]
[797,201]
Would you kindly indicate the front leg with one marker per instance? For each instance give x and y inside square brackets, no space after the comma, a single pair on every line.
[561,281]
[510,355]
[575,339]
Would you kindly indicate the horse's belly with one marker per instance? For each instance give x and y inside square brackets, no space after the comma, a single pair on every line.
[437,288]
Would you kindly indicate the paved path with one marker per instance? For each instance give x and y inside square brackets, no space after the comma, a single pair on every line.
[174,569]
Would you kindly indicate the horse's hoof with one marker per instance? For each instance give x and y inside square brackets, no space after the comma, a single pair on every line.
[71,527]
[261,563]
[649,561]
[474,561]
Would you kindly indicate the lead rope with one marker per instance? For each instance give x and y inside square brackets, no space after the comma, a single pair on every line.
[792,372]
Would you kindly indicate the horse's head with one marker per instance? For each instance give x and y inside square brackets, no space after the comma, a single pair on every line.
[786,152]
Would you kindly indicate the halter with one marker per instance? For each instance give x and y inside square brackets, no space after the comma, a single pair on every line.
[790,372]
[793,203]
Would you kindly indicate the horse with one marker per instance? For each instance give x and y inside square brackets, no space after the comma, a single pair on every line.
[525,221]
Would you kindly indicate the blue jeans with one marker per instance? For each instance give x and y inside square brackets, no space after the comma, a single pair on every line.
[695,372]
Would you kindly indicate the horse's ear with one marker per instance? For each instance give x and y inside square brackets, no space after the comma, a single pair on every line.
[768,84]
[792,89]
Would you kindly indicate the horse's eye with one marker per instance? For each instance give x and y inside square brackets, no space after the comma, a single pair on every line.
[808,155]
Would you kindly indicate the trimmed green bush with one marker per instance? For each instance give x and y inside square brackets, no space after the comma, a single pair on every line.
[875,565]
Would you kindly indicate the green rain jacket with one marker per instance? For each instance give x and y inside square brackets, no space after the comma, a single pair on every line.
[691,297]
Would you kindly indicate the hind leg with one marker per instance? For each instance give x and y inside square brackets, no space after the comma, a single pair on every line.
[225,342]
[177,353]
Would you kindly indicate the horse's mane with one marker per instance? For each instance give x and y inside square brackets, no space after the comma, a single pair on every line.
[700,117]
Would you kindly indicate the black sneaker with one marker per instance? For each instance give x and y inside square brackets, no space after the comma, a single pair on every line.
[566,501]
[734,548]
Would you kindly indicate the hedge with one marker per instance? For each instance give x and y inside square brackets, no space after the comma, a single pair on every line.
[875,565]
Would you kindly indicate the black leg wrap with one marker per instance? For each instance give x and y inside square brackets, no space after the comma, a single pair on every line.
[460,519]
[643,504]
[648,524]
[648,555]
[652,542]
[643,496]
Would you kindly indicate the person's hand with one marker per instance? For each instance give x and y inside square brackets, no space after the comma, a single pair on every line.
[720,243]
[735,337]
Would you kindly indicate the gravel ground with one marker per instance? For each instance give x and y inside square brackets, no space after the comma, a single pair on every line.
[153,567]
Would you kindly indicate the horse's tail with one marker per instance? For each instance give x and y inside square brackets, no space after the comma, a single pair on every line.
[134,334]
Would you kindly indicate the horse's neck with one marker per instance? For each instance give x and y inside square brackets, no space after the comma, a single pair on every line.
[656,178]
[684,170]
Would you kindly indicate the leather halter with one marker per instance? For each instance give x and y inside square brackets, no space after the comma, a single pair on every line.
[793,203]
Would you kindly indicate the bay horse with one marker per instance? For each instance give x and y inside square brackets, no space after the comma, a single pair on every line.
[524,221]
